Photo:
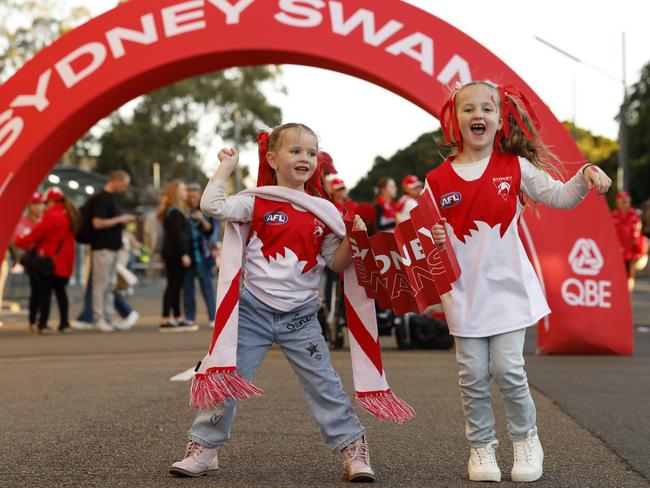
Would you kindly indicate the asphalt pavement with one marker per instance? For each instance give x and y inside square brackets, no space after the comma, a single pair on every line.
[96,409]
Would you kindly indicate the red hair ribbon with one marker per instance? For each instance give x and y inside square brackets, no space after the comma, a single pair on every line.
[264,173]
[509,106]
[327,163]
[449,123]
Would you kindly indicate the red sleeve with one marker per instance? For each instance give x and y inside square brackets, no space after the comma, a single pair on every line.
[38,233]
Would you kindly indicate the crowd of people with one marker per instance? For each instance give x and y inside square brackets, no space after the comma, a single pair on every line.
[44,243]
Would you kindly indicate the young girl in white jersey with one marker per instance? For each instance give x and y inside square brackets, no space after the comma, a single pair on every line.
[285,250]
[497,157]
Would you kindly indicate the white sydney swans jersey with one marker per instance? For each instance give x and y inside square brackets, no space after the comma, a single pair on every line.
[498,290]
[286,249]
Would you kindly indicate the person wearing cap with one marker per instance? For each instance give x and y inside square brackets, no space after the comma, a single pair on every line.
[339,193]
[412,187]
[27,222]
[53,238]
[204,233]
[628,227]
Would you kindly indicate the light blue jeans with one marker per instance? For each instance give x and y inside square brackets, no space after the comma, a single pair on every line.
[500,357]
[299,335]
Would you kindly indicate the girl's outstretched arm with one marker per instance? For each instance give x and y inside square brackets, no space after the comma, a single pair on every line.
[214,201]
[542,188]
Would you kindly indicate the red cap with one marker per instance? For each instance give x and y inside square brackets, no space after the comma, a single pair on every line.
[622,195]
[337,184]
[37,197]
[411,181]
[53,193]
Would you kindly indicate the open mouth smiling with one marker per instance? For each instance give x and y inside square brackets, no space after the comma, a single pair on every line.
[478,128]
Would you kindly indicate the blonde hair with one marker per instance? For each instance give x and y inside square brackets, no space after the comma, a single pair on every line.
[171,198]
[517,142]
[275,140]
[73,214]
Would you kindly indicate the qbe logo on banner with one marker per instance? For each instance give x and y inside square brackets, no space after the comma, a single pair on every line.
[586,260]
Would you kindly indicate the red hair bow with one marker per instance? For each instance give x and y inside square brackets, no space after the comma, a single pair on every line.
[265,174]
[509,106]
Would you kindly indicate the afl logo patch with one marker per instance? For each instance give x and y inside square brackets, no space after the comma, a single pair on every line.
[449,200]
[275,217]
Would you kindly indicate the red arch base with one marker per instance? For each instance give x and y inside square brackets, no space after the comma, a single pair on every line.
[144,45]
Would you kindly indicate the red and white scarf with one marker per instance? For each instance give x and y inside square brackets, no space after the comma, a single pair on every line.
[216,377]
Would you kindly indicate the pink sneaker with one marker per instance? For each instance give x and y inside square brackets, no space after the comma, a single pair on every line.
[199,461]
[356,462]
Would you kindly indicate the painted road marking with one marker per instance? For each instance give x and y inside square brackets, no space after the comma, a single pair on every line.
[183,375]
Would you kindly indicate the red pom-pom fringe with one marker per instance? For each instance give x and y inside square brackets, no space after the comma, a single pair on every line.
[385,405]
[215,386]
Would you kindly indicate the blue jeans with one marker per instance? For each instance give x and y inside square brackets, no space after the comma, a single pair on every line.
[121,305]
[299,335]
[500,357]
[204,274]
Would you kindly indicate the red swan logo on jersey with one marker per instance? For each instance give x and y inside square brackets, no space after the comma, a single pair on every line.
[502,184]
[275,217]
[449,200]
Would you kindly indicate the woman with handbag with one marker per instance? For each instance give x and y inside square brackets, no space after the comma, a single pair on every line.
[53,239]
[26,224]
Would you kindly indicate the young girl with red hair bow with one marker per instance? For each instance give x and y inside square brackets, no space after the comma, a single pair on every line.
[287,233]
[497,156]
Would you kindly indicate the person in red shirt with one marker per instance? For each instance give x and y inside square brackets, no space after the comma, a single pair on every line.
[25,225]
[385,206]
[628,228]
[412,187]
[53,237]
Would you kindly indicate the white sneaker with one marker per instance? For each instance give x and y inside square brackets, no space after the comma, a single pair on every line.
[199,461]
[529,457]
[104,326]
[482,465]
[128,322]
[81,325]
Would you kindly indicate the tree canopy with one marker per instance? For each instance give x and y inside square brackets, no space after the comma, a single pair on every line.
[420,157]
[639,137]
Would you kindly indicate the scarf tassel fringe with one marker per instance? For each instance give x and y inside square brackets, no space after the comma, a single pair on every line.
[386,406]
[214,387]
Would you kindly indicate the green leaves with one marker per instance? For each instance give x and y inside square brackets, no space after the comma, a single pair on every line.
[423,155]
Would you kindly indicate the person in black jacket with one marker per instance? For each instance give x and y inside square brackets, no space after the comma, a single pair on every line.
[176,255]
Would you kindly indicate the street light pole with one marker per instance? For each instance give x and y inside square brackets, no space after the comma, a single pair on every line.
[622,173]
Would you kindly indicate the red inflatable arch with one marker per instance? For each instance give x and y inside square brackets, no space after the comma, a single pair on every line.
[140,46]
